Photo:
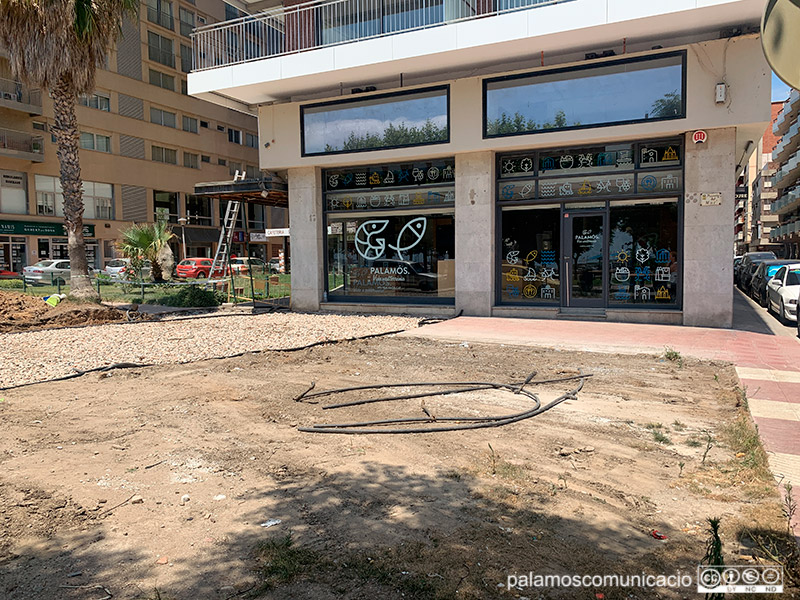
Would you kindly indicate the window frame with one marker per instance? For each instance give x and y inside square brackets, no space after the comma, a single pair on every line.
[163,150]
[190,163]
[161,112]
[187,119]
[159,50]
[371,97]
[576,68]
[95,136]
[161,77]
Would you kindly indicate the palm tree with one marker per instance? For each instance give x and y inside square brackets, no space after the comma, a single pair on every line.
[147,241]
[57,45]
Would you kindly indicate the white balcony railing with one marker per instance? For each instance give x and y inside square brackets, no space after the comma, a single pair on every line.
[322,23]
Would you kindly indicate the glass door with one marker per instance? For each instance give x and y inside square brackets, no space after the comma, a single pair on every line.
[584,259]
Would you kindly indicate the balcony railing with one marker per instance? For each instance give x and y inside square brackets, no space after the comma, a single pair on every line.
[13,92]
[160,17]
[787,113]
[323,23]
[19,144]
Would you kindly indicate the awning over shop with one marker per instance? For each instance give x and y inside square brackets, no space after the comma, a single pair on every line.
[269,190]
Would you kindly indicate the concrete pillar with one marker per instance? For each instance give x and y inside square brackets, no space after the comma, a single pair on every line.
[305,229]
[475,234]
[707,232]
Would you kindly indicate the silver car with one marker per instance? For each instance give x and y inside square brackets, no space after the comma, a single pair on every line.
[119,268]
[47,272]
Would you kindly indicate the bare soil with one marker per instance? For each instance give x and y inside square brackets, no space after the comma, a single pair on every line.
[577,490]
[20,312]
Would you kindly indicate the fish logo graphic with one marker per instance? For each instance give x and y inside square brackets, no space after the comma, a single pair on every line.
[410,235]
[367,245]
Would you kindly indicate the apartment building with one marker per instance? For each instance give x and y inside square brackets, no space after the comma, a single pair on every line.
[144,145]
[754,218]
[786,235]
[528,158]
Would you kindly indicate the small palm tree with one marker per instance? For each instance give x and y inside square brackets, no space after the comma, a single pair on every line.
[57,45]
[147,241]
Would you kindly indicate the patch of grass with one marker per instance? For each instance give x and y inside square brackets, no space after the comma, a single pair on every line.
[282,561]
[693,443]
[678,426]
[453,474]
[741,436]
[654,426]
[673,356]
[661,438]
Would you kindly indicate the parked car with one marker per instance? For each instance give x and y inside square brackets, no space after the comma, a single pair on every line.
[243,265]
[737,262]
[8,274]
[194,268]
[47,272]
[275,265]
[746,269]
[764,272]
[120,267]
[782,292]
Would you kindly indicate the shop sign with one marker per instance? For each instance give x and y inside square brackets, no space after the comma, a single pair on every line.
[281,232]
[402,175]
[741,193]
[39,228]
[258,236]
[12,179]
[699,136]
[376,199]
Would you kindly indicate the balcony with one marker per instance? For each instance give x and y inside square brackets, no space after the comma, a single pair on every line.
[16,96]
[18,144]
[790,110]
[789,172]
[313,47]
[789,143]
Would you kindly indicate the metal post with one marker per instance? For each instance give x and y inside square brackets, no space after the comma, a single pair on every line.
[247,251]
[183,221]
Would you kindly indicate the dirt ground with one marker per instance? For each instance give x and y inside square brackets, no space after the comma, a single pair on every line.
[20,312]
[192,482]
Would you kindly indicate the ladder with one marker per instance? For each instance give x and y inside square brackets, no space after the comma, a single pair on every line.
[225,238]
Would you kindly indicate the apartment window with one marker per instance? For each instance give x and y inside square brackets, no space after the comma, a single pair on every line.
[205,158]
[251,140]
[234,136]
[256,216]
[190,160]
[222,162]
[160,13]
[95,141]
[49,197]
[186,58]
[98,101]
[162,117]
[187,22]
[162,80]
[164,155]
[617,92]
[189,124]
[251,171]
[204,124]
[221,128]
[39,126]
[198,210]
[13,194]
[184,87]
[166,206]
[234,167]
[391,120]
[98,200]
[160,49]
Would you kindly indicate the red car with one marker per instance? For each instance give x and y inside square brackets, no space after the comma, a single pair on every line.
[8,274]
[194,268]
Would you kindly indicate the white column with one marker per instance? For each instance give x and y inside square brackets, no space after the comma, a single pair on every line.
[708,231]
[475,235]
[305,229]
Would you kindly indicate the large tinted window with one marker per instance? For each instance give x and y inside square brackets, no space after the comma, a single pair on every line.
[384,121]
[627,91]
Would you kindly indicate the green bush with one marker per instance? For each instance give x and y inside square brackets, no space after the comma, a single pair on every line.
[11,284]
[189,297]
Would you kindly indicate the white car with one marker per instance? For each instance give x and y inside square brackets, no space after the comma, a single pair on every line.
[117,268]
[783,290]
[47,272]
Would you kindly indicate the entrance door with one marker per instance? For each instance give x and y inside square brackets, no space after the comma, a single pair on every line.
[584,259]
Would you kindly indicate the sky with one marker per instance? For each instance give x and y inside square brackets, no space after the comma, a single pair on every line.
[780,91]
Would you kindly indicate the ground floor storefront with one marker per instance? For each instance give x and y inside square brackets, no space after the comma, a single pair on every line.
[631,231]
[31,241]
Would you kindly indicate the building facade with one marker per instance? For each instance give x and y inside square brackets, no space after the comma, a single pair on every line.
[786,236]
[144,145]
[546,159]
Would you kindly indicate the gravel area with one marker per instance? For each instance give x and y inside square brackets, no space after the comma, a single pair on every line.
[39,355]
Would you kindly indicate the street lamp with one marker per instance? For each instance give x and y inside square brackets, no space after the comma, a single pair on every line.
[183,221]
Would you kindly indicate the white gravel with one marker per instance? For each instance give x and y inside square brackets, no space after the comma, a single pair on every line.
[39,355]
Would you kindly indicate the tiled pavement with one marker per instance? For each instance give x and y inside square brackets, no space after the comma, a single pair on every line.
[768,365]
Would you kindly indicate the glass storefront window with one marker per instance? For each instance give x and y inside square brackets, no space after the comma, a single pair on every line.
[393,255]
[643,253]
[529,261]
[383,121]
[620,91]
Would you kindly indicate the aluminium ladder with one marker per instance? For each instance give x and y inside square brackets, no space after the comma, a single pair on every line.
[225,238]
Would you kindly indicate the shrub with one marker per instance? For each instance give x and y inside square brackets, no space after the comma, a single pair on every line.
[11,284]
[189,297]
